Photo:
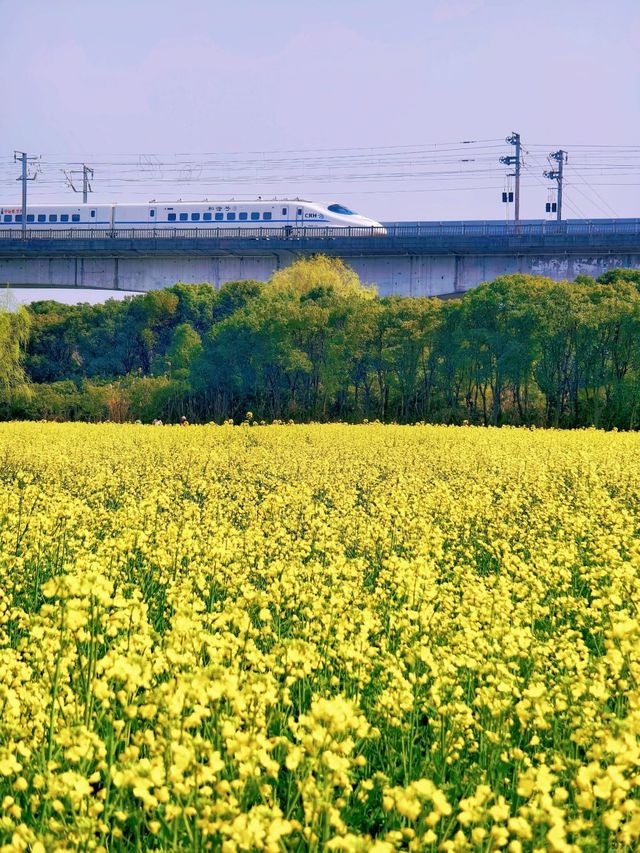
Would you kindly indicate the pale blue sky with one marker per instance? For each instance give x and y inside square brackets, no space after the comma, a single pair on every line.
[109,82]
[196,98]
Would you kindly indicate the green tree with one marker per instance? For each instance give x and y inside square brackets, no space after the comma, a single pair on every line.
[564,307]
[608,350]
[185,347]
[315,343]
[196,305]
[319,301]
[502,319]
[319,271]
[620,274]
[234,295]
[14,334]
[406,353]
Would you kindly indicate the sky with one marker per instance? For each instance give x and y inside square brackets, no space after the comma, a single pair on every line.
[399,110]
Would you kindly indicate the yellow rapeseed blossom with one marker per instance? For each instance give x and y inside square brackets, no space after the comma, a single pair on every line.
[369,638]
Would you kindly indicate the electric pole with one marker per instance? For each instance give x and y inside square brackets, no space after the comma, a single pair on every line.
[561,158]
[86,186]
[515,160]
[24,177]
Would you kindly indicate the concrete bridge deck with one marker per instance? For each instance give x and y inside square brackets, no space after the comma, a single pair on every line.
[421,258]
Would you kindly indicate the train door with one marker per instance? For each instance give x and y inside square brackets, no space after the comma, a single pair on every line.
[299,217]
[288,228]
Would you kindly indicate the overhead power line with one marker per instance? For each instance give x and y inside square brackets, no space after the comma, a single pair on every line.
[453,166]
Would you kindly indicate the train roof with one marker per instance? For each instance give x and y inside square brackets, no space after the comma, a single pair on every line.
[166,202]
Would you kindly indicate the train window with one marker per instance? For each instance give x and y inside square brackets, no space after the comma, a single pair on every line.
[30,217]
[171,217]
[242,215]
[184,217]
[7,217]
[75,217]
[195,217]
[255,215]
[299,211]
[53,217]
[18,217]
[206,217]
[284,211]
[64,217]
[231,216]
[219,217]
[152,213]
[42,217]
[266,214]
[339,208]
[93,214]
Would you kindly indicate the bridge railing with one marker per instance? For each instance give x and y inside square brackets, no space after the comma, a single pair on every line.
[436,230]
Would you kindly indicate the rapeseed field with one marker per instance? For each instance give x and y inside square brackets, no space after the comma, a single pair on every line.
[350,638]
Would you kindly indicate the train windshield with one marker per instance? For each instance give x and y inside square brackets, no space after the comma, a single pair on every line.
[338,208]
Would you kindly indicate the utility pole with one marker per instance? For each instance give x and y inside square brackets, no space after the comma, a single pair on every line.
[24,177]
[561,158]
[86,186]
[515,160]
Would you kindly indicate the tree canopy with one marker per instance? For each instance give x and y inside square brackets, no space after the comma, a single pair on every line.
[315,343]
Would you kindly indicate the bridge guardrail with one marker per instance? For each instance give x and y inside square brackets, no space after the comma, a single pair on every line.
[421,230]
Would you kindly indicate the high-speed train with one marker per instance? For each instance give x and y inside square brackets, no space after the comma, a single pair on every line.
[292,215]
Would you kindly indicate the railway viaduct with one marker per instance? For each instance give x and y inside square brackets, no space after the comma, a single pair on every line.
[412,259]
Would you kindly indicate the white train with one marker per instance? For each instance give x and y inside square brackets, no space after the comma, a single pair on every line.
[291,215]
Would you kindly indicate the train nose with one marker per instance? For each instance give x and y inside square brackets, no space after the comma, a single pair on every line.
[371,223]
[378,229]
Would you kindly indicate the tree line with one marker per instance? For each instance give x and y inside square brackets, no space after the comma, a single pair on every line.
[314,343]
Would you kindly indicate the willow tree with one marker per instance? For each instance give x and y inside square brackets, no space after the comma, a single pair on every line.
[319,307]
[14,334]
[307,275]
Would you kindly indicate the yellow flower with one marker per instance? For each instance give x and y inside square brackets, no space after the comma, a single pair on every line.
[257,636]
